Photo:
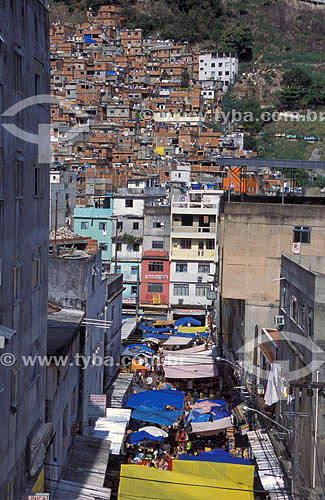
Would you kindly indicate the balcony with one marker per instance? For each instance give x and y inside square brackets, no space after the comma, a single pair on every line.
[195,231]
[179,207]
[195,254]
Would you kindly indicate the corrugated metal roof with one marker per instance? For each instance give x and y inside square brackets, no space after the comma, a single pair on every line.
[268,466]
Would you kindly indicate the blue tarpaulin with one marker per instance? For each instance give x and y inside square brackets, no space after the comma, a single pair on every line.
[134,350]
[158,336]
[88,39]
[146,328]
[220,456]
[157,399]
[187,319]
[138,437]
[155,415]
[216,413]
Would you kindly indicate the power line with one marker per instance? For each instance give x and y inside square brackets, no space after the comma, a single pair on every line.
[203,485]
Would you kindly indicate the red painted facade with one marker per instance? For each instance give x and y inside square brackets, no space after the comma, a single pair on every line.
[154,289]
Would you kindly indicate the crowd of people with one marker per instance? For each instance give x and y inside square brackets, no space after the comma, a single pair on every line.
[180,440]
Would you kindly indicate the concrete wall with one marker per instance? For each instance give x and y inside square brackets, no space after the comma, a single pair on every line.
[66,191]
[305,281]
[77,284]
[24,223]
[60,385]
[113,334]
[253,238]
[150,233]
[94,216]
[120,207]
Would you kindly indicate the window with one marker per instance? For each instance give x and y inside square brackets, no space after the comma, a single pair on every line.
[181,268]
[186,244]
[301,319]
[38,73]
[201,290]
[187,220]
[118,269]
[129,203]
[301,234]
[181,289]
[155,288]
[135,225]
[293,308]
[65,423]
[102,226]
[203,268]
[156,267]
[16,280]
[136,247]
[134,289]
[310,322]
[158,223]
[118,247]
[84,225]
[119,225]
[36,268]
[209,245]
[201,245]
[134,269]
[18,69]
[13,387]
[283,296]
[19,175]
[73,402]
[103,246]
[37,180]
[157,244]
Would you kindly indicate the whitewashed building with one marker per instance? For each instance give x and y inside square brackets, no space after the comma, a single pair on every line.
[218,67]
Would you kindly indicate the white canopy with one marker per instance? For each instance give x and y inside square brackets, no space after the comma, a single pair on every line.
[208,428]
[112,428]
[176,340]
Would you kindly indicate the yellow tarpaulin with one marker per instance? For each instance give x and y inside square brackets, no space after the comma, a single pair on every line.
[160,150]
[188,481]
[192,329]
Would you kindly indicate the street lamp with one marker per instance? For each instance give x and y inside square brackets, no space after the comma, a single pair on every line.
[237,367]
[247,408]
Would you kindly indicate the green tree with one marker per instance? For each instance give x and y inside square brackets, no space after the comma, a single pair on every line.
[238,40]
[185,82]
[296,82]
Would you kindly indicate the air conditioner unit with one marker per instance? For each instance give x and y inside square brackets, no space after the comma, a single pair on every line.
[279,320]
[180,302]
[296,248]
[200,279]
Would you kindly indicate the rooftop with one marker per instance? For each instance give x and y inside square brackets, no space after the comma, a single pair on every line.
[315,264]
[62,327]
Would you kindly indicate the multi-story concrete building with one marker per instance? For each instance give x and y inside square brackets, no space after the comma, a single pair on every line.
[154,290]
[219,67]
[253,235]
[113,335]
[96,222]
[302,304]
[63,198]
[127,241]
[63,389]
[193,250]
[24,222]
[75,282]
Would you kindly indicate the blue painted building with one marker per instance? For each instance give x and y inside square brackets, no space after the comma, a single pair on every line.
[95,222]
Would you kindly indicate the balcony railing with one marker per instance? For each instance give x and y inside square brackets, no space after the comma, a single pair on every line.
[194,229]
[192,204]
